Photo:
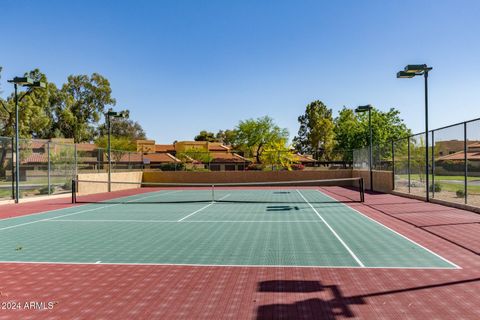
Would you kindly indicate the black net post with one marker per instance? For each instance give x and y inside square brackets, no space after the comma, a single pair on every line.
[74,191]
[362,190]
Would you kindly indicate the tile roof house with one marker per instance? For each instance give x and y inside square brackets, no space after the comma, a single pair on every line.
[473,154]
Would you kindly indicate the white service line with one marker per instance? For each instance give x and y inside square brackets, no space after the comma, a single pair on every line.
[354,256]
[202,208]
[83,211]
[189,221]
[401,235]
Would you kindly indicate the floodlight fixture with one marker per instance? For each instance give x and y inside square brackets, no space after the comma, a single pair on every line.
[403,74]
[112,114]
[31,84]
[411,71]
[368,108]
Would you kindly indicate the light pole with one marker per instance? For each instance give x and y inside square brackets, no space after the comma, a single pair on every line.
[31,84]
[108,115]
[411,71]
[361,109]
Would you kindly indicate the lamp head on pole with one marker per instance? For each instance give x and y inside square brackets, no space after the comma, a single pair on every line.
[28,82]
[361,109]
[413,70]
[120,114]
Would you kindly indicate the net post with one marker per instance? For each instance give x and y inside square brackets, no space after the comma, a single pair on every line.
[74,191]
[213,193]
[362,190]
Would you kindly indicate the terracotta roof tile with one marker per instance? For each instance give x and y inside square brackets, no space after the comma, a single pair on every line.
[458,156]
[303,158]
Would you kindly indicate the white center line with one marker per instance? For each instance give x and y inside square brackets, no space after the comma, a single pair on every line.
[202,208]
[83,211]
[354,256]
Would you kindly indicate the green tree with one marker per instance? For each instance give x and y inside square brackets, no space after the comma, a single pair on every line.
[123,127]
[80,104]
[120,146]
[253,135]
[227,137]
[198,155]
[117,143]
[35,111]
[316,130]
[206,136]
[352,130]
[277,154]
[35,115]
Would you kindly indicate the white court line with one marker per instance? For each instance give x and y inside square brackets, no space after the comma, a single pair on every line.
[75,206]
[220,265]
[354,256]
[188,221]
[401,235]
[202,208]
[83,211]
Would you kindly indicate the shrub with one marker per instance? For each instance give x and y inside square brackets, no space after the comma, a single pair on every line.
[255,167]
[460,193]
[297,166]
[44,190]
[437,187]
[172,167]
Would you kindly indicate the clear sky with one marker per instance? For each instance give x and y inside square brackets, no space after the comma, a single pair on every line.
[183,66]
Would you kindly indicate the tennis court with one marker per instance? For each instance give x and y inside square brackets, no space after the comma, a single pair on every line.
[243,226]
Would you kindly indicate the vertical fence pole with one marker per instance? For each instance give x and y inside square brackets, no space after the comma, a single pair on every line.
[408,164]
[13,168]
[48,167]
[465,159]
[75,159]
[393,165]
[433,163]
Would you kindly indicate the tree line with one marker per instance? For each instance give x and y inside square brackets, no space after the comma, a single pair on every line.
[73,110]
[320,133]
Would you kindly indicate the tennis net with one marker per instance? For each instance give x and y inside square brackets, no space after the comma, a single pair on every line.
[347,189]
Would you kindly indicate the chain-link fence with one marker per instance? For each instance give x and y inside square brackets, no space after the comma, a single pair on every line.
[47,167]
[453,163]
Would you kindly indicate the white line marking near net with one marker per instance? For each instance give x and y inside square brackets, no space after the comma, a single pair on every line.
[188,221]
[354,256]
[202,208]
[83,211]
[401,235]
[98,262]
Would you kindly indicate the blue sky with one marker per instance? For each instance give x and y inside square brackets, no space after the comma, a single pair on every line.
[183,66]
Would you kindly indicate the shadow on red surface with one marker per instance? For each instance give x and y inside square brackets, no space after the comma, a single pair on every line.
[316,308]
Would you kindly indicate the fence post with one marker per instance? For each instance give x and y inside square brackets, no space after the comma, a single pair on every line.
[465,159]
[48,167]
[408,164]
[13,169]
[75,169]
[433,163]
[393,165]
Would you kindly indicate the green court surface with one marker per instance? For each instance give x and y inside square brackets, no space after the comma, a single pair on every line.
[288,227]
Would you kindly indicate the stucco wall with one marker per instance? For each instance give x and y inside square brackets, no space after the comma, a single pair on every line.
[382,180]
[242,176]
[91,188]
